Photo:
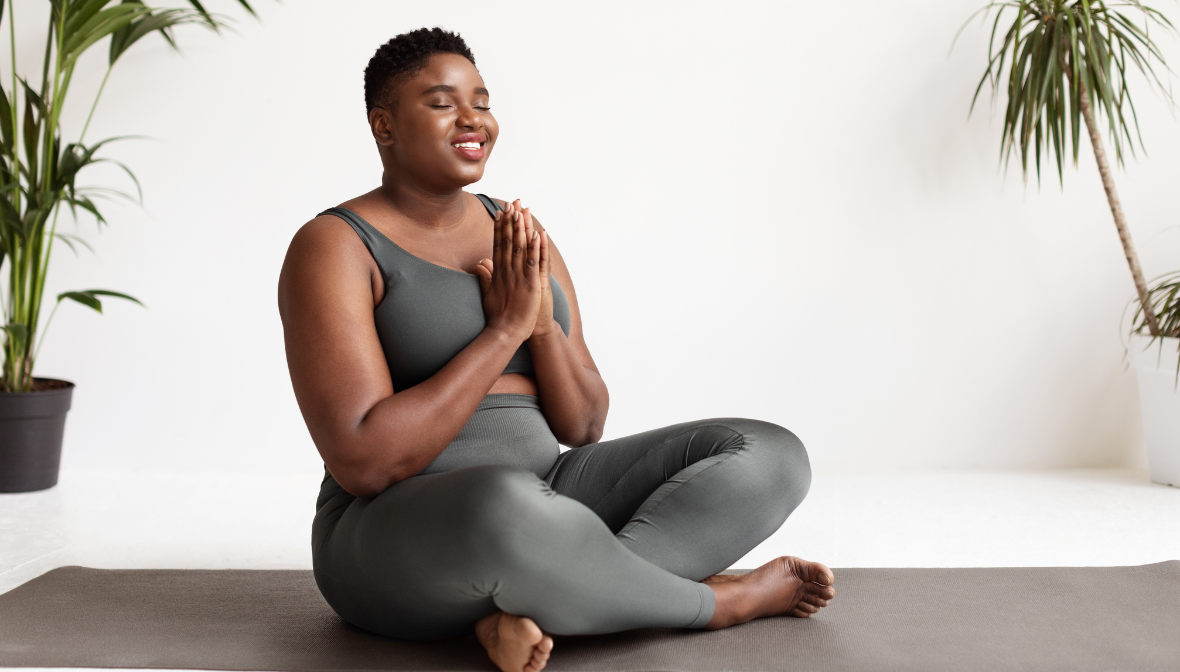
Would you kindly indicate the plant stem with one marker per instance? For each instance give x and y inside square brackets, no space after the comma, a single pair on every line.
[94,106]
[1116,209]
[15,136]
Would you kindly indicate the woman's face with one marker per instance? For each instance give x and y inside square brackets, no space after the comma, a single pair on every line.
[442,129]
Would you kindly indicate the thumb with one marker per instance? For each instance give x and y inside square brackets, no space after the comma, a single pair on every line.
[483,271]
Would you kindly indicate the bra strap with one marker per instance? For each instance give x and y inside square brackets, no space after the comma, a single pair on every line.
[491,206]
[373,239]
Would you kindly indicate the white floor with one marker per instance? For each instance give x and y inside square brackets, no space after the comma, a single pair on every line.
[916,519]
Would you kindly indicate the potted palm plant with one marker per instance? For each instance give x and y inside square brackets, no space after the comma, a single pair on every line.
[38,180]
[1063,64]
[1156,360]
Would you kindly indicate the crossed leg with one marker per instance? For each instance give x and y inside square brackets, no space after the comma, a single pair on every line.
[619,541]
[691,498]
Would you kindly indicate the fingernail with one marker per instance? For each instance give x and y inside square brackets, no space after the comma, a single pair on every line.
[534,236]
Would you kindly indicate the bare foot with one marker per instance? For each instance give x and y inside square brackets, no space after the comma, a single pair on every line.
[784,586]
[718,578]
[514,643]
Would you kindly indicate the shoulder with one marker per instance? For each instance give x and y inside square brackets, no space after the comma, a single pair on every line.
[324,251]
[324,235]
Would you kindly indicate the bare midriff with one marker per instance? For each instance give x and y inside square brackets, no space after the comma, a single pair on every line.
[514,383]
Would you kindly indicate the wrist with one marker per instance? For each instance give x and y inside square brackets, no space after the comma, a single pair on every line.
[508,337]
[541,333]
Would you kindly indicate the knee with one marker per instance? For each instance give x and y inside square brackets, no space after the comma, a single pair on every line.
[775,458]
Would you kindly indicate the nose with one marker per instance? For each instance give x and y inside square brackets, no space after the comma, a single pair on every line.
[469,118]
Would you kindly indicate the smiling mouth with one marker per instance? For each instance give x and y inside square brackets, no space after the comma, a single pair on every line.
[467,145]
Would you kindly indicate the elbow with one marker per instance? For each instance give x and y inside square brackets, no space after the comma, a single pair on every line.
[582,436]
[363,478]
[589,429]
[358,482]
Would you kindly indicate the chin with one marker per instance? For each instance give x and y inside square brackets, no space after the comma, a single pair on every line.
[466,177]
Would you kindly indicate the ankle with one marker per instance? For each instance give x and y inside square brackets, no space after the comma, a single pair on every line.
[487,629]
[731,604]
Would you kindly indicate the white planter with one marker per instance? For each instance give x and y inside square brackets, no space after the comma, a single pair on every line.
[1159,404]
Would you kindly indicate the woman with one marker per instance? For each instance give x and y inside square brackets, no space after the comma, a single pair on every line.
[436,351]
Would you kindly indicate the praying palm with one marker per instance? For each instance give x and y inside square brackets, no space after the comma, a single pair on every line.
[1063,60]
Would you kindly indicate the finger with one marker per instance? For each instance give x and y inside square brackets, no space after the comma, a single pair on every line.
[533,262]
[528,224]
[543,259]
[503,255]
[519,244]
[533,242]
[483,271]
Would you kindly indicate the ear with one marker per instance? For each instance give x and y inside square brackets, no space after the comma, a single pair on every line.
[381,123]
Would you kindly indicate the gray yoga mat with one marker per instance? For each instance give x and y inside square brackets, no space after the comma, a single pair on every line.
[1077,619]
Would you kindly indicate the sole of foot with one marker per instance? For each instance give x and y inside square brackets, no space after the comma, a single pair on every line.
[514,643]
[786,586]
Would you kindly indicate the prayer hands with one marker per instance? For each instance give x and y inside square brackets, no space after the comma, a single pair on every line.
[515,281]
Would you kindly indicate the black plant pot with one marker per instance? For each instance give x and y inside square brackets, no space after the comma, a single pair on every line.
[31,428]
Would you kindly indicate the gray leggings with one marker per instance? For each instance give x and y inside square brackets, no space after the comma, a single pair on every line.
[606,537]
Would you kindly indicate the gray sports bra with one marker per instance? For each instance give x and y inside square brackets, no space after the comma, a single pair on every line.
[431,312]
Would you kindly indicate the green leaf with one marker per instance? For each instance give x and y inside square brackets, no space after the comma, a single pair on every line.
[71,240]
[84,298]
[1050,55]
[18,334]
[115,295]
[97,27]
[81,11]
[89,297]
[161,20]
[6,135]
[32,131]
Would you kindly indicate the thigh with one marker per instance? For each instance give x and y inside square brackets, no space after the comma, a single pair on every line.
[433,554]
[614,478]
[405,563]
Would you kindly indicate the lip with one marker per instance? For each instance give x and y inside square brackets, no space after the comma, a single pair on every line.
[473,154]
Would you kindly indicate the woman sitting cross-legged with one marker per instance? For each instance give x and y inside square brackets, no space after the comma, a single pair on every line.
[436,351]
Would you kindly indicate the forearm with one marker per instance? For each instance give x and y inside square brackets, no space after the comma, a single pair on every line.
[404,432]
[572,396]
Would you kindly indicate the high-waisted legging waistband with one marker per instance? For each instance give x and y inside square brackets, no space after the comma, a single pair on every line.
[507,430]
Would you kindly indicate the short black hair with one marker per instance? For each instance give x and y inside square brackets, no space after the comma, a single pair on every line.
[406,54]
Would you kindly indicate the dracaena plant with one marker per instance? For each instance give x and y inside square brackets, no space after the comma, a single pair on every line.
[1165,305]
[39,171]
[1062,64]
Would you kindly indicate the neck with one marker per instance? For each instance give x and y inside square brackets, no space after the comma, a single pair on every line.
[433,209]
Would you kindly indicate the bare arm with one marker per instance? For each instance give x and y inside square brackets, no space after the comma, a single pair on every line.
[369,437]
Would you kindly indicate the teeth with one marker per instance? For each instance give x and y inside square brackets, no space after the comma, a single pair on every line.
[467,145]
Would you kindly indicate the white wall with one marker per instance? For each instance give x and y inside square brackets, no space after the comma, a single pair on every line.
[769,209]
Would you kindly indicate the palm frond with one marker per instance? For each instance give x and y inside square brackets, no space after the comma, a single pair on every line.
[1049,54]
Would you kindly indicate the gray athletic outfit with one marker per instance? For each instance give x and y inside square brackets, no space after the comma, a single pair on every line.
[605,537]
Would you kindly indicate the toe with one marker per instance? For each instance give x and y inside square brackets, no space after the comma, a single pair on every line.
[528,631]
[537,663]
[826,592]
[814,600]
[818,573]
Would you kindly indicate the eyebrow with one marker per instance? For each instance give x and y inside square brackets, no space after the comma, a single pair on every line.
[447,88]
